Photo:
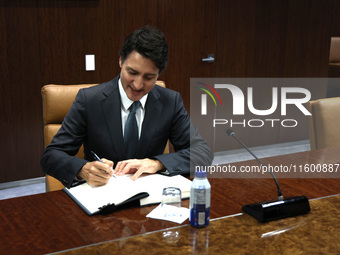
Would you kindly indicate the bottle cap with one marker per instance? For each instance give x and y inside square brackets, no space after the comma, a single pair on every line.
[201,173]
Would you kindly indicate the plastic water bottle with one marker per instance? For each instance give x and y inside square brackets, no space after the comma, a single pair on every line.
[200,200]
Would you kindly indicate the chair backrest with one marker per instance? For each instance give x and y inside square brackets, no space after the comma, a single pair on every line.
[324,123]
[334,54]
[334,58]
[57,100]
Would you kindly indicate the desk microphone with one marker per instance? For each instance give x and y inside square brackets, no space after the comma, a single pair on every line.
[274,209]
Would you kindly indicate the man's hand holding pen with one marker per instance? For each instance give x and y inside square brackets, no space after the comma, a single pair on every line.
[97,173]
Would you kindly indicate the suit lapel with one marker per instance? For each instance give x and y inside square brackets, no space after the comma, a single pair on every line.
[112,110]
[153,111]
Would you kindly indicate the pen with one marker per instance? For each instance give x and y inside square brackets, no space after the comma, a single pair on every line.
[97,158]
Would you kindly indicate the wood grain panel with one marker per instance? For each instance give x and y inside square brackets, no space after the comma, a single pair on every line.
[20,103]
[274,39]
[251,36]
[308,33]
[69,30]
[336,19]
[46,42]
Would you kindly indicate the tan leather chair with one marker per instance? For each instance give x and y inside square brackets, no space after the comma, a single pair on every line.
[57,100]
[333,86]
[334,57]
[324,124]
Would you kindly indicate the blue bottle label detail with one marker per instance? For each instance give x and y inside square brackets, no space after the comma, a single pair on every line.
[199,216]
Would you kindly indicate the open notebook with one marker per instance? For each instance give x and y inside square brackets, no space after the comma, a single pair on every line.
[121,190]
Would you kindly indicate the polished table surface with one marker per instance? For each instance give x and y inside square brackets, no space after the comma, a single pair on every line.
[52,222]
[312,233]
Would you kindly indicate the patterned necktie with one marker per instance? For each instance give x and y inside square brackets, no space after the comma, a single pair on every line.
[131,132]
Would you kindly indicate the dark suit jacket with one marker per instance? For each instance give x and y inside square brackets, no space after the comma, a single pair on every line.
[95,121]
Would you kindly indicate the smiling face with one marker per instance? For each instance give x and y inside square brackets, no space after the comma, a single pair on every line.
[138,75]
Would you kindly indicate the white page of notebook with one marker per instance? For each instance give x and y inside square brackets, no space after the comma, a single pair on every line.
[121,188]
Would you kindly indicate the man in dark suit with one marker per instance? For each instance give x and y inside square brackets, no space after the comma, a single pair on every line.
[98,119]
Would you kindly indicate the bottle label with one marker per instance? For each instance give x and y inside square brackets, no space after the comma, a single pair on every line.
[200,208]
[201,197]
[199,216]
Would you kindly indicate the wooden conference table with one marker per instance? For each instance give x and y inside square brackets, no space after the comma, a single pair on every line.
[52,222]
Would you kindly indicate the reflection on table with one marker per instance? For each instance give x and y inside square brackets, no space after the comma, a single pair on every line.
[315,233]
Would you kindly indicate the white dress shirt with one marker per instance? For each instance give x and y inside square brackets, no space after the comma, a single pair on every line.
[126,103]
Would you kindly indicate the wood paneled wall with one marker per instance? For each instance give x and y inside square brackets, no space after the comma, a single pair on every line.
[273,38]
[336,19]
[45,41]
[68,30]
[20,83]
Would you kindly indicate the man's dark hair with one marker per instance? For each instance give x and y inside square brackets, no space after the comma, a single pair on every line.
[150,43]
